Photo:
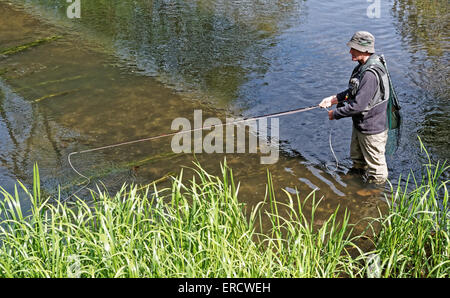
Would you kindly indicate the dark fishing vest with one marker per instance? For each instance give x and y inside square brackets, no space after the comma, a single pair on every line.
[374,65]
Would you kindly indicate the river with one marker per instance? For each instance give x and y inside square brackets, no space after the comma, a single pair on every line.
[125,70]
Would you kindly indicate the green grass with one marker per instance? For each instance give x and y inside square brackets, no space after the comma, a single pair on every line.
[200,229]
[414,236]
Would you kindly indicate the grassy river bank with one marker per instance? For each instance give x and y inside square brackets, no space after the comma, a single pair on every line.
[201,229]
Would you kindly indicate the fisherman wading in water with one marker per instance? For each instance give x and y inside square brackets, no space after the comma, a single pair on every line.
[365,101]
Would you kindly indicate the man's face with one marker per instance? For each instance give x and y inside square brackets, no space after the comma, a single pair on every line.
[357,55]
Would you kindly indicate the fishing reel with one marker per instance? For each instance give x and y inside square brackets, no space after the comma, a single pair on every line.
[353,86]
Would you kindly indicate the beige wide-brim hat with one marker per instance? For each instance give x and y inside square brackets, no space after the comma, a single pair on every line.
[362,41]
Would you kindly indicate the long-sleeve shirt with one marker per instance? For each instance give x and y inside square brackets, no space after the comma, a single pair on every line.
[373,121]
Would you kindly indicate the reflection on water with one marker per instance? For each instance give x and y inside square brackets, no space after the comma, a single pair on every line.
[106,81]
[424,25]
[424,28]
[207,46]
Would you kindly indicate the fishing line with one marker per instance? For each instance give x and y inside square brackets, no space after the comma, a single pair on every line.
[88,180]
[332,151]
[334,154]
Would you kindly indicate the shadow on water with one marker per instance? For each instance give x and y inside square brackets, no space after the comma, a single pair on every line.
[125,70]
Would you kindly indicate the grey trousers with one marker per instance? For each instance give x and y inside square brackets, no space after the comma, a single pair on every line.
[368,153]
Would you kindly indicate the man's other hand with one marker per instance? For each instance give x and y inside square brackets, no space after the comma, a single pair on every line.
[328,101]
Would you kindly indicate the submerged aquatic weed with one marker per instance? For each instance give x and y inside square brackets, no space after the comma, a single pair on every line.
[23,47]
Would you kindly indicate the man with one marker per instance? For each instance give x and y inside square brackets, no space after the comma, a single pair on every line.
[365,101]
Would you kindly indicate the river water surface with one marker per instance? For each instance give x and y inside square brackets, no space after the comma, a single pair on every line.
[126,69]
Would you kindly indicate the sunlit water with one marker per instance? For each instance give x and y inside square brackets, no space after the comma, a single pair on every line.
[125,70]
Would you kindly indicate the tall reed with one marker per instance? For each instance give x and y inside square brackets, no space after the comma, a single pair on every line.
[199,228]
[414,237]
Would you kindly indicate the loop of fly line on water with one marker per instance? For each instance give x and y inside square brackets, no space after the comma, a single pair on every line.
[290,112]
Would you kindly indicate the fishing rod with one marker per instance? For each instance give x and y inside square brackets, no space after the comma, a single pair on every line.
[277,114]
